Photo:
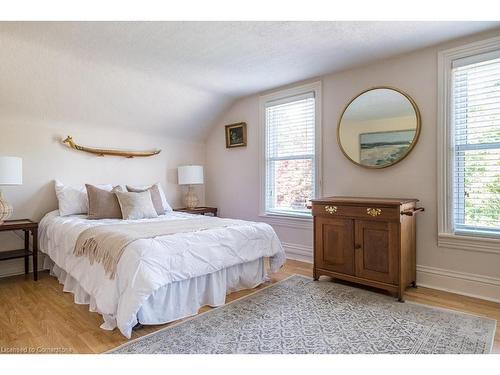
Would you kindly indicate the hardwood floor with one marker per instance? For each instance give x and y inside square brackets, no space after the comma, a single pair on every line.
[39,317]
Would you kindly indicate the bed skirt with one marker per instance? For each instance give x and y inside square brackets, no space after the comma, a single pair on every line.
[174,301]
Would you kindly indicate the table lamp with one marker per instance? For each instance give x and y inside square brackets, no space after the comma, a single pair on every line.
[190,175]
[11,173]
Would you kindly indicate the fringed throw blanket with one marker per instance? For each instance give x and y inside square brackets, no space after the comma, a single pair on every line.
[105,244]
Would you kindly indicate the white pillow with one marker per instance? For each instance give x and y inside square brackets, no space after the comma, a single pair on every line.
[164,202]
[73,200]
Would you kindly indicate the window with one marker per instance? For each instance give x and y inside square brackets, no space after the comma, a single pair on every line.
[290,128]
[469,146]
[476,123]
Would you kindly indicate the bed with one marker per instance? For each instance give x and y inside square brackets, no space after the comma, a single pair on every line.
[161,279]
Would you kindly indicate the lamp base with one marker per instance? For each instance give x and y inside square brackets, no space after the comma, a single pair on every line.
[5,209]
[191,199]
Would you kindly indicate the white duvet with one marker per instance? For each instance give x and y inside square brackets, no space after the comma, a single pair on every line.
[149,264]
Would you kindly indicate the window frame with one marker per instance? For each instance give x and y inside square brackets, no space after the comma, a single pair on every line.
[448,236]
[316,88]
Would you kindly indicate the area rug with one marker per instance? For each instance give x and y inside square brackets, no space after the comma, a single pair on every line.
[299,315]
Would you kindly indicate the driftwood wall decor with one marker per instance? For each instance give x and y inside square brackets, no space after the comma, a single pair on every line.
[112,152]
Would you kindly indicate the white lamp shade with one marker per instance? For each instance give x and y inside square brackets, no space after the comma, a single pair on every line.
[190,174]
[11,170]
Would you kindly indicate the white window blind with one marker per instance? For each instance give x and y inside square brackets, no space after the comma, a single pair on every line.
[476,120]
[290,154]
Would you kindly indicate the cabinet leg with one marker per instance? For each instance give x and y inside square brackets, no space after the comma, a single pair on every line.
[401,293]
[400,296]
[315,275]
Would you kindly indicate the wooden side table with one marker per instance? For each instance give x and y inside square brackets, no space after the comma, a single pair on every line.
[27,226]
[198,210]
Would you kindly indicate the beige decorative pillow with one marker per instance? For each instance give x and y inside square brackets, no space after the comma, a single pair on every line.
[136,205]
[155,196]
[103,204]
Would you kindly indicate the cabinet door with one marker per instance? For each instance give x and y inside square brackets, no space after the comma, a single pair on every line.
[334,244]
[377,246]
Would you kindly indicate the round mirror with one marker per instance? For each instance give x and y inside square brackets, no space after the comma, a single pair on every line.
[379,127]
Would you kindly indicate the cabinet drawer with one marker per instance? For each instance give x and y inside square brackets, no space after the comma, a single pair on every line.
[358,212]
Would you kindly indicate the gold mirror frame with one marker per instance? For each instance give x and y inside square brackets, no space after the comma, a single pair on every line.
[417,131]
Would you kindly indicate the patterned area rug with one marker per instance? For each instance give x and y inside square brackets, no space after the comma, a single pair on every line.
[298,315]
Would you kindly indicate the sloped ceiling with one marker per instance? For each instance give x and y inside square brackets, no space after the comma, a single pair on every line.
[175,78]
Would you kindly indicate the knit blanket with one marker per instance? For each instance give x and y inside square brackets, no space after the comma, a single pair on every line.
[105,244]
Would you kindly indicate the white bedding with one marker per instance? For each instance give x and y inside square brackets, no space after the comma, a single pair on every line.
[148,265]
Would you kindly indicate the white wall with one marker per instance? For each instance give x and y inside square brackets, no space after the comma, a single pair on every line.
[45,159]
[48,93]
[233,174]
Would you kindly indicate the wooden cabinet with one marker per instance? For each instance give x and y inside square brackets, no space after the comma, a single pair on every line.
[337,237]
[366,240]
[377,250]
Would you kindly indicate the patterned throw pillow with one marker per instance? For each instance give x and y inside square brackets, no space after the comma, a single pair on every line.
[155,196]
[164,201]
[136,206]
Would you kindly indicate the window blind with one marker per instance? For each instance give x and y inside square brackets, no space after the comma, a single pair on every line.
[290,154]
[476,120]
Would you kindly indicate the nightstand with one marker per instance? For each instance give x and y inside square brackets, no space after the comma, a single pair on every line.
[27,226]
[211,211]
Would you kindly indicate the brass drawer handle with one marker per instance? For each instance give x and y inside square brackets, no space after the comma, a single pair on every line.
[331,209]
[373,211]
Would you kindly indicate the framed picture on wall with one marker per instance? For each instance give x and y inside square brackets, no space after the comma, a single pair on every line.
[236,135]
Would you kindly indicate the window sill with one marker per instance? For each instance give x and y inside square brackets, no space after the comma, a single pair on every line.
[469,243]
[288,221]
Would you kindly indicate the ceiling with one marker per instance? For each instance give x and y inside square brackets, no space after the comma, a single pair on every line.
[176,78]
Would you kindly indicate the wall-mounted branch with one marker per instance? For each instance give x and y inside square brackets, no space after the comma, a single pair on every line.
[101,152]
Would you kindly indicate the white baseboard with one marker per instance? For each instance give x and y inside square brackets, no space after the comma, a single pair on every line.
[298,252]
[15,267]
[467,284]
